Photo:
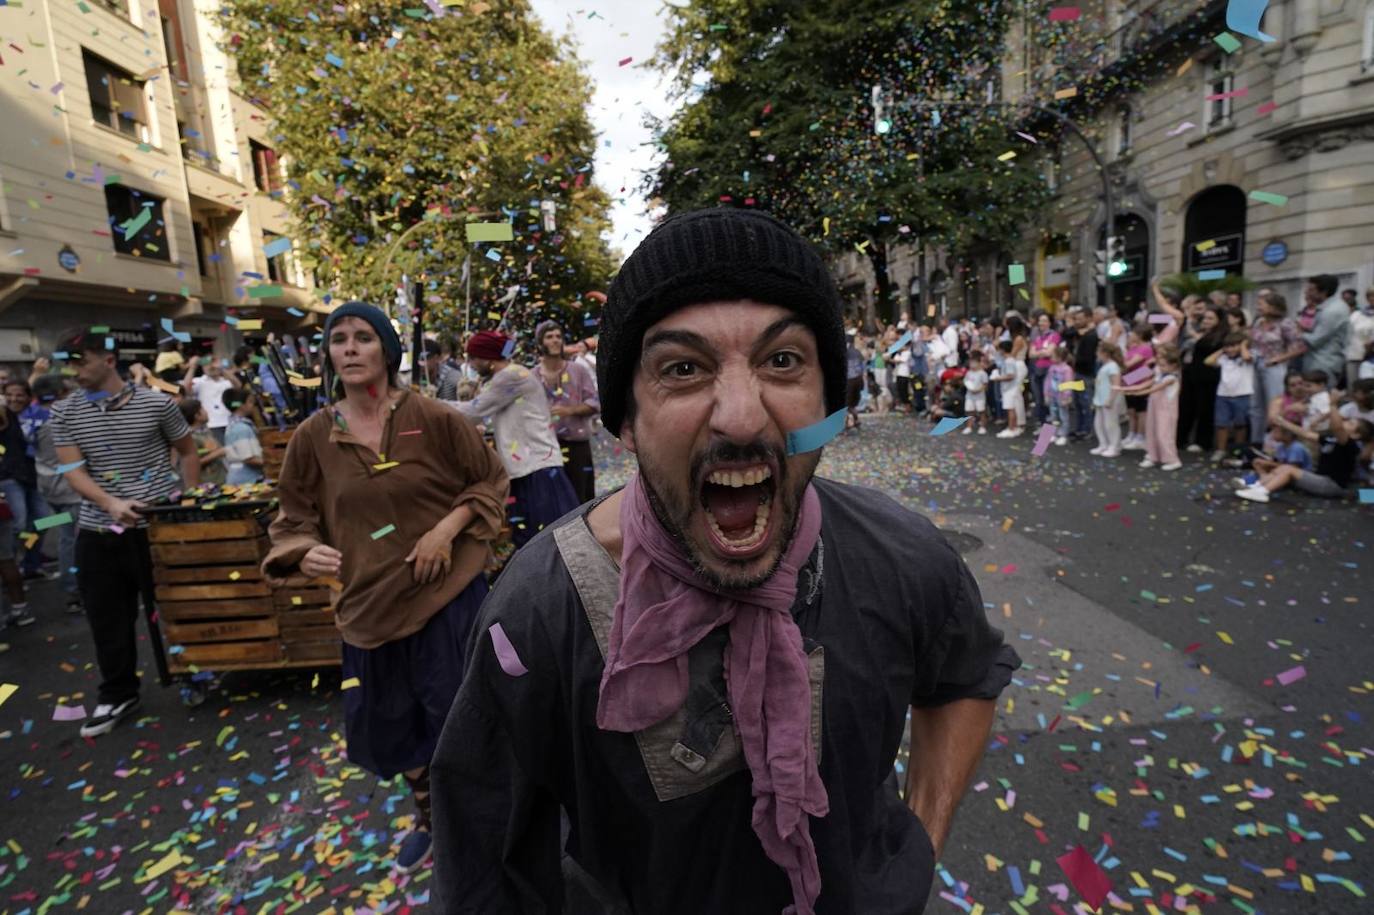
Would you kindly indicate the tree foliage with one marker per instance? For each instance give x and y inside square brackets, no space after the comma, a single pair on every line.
[779,115]
[389,117]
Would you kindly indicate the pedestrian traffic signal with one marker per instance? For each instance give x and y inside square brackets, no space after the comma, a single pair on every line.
[1101,256]
[1116,256]
[882,124]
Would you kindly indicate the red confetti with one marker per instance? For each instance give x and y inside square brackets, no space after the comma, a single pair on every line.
[1065,14]
[1087,878]
[625,61]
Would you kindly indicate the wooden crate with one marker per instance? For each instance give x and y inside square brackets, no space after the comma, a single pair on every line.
[274,443]
[218,612]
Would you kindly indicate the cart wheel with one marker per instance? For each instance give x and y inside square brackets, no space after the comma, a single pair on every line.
[192,695]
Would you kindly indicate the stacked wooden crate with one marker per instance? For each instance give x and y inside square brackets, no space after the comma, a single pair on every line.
[274,443]
[216,610]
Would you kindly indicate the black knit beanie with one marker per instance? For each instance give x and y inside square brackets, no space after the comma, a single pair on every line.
[715,255]
[391,344]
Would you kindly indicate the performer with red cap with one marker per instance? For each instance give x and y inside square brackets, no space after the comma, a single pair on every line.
[513,403]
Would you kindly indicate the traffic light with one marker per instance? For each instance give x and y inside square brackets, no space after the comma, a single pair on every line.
[547,210]
[882,124]
[1101,255]
[1116,256]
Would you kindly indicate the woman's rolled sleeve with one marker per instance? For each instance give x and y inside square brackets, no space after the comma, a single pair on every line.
[488,485]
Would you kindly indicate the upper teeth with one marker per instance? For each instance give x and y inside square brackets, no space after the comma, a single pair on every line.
[737,478]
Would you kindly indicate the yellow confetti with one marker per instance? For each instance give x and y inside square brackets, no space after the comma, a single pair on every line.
[169,861]
[350,683]
[7,690]
[235,575]
[1066,93]
[386,465]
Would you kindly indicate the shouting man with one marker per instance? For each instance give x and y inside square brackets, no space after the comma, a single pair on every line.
[573,403]
[695,688]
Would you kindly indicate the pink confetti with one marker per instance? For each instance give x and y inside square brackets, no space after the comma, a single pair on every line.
[1222,96]
[506,655]
[1266,108]
[1087,878]
[1042,443]
[1065,13]
[1144,373]
[625,61]
[1185,126]
[1161,319]
[69,713]
[1292,675]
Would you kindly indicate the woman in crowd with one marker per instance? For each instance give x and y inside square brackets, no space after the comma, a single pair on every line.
[1197,402]
[393,499]
[1042,344]
[1275,343]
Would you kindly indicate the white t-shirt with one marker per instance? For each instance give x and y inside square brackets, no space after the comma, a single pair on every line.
[902,359]
[1318,418]
[976,382]
[1011,390]
[951,341]
[1237,377]
[210,392]
[1358,337]
[1351,410]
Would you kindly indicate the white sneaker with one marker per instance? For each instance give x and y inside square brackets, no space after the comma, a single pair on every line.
[1098,450]
[106,716]
[1194,448]
[1061,441]
[1147,463]
[1217,456]
[1006,433]
[1254,494]
[982,430]
[968,430]
[1112,453]
[1174,466]
[1133,444]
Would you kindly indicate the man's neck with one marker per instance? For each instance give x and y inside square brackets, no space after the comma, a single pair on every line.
[553,365]
[112,384]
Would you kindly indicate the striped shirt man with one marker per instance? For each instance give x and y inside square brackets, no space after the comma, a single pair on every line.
[125,441]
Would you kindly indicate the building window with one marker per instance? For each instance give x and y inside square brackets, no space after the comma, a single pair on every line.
[136,222]
[1221,82]
[117,99]
[1054,168]
[1123,130]
[1367,54]
[266,167]
[119,7]
[278,267]
[202,235]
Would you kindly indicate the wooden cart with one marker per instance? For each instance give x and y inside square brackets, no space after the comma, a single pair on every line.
[215,609]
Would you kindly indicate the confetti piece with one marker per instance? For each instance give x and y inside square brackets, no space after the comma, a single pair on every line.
[68,712]
[1064,14]
[306,382]
[490,231]
[1043,440]
[1292,675]
[276,247]
[386,465]
[1016,274]
[1166,320]
[7,690]
[624,61]
[1267,108]
[1244,16]
[1071,386]
[1087,877]
[169,861]
[42,524]
[350,683]
[1206,275]
[1062,94]
[1367,496]
[816,435]
[1140,375]
[1181,128]
[383,531]
[506,655]
[1277,200]
[1228,42]
[948,424]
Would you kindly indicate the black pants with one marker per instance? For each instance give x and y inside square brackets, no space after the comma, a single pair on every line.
[113,570]
[1197,408]
[581,471]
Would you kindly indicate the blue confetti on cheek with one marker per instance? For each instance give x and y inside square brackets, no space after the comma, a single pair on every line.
[816,435]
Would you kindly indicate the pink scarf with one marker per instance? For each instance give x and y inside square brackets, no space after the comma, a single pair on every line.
[663,610]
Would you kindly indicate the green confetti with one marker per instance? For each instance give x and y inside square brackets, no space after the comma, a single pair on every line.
[1077,702]
[383,531]
[1277,200]
[1229,43]
[42,524]
[1016,274]
[263,292]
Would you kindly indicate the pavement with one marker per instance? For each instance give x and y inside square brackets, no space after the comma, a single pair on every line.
[1193,713]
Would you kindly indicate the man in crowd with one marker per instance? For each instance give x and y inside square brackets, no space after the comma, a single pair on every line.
[209,388]
[513,403]
[1080,336]
[705,609]
[440,372]
[117,439]
[573,404]
[1326,340]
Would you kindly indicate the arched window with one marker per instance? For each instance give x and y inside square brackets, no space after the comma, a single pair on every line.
[1123,130]
[1214,231]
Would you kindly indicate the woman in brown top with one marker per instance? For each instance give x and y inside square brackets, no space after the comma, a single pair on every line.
[395,499]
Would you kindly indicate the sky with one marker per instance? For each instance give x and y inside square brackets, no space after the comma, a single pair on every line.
[606,33]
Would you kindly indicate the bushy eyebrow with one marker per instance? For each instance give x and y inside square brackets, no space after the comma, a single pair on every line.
[693,340]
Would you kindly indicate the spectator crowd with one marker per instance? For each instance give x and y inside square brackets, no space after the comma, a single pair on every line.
[1279,396]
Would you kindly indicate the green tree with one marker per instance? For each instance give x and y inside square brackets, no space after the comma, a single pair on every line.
[389,117]
[780,115]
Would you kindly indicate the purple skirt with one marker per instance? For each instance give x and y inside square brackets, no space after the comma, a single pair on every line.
[541,498]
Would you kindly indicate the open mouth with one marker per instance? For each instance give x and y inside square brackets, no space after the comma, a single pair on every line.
[738,503]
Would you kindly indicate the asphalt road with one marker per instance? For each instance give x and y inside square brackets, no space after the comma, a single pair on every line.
[1154,613]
